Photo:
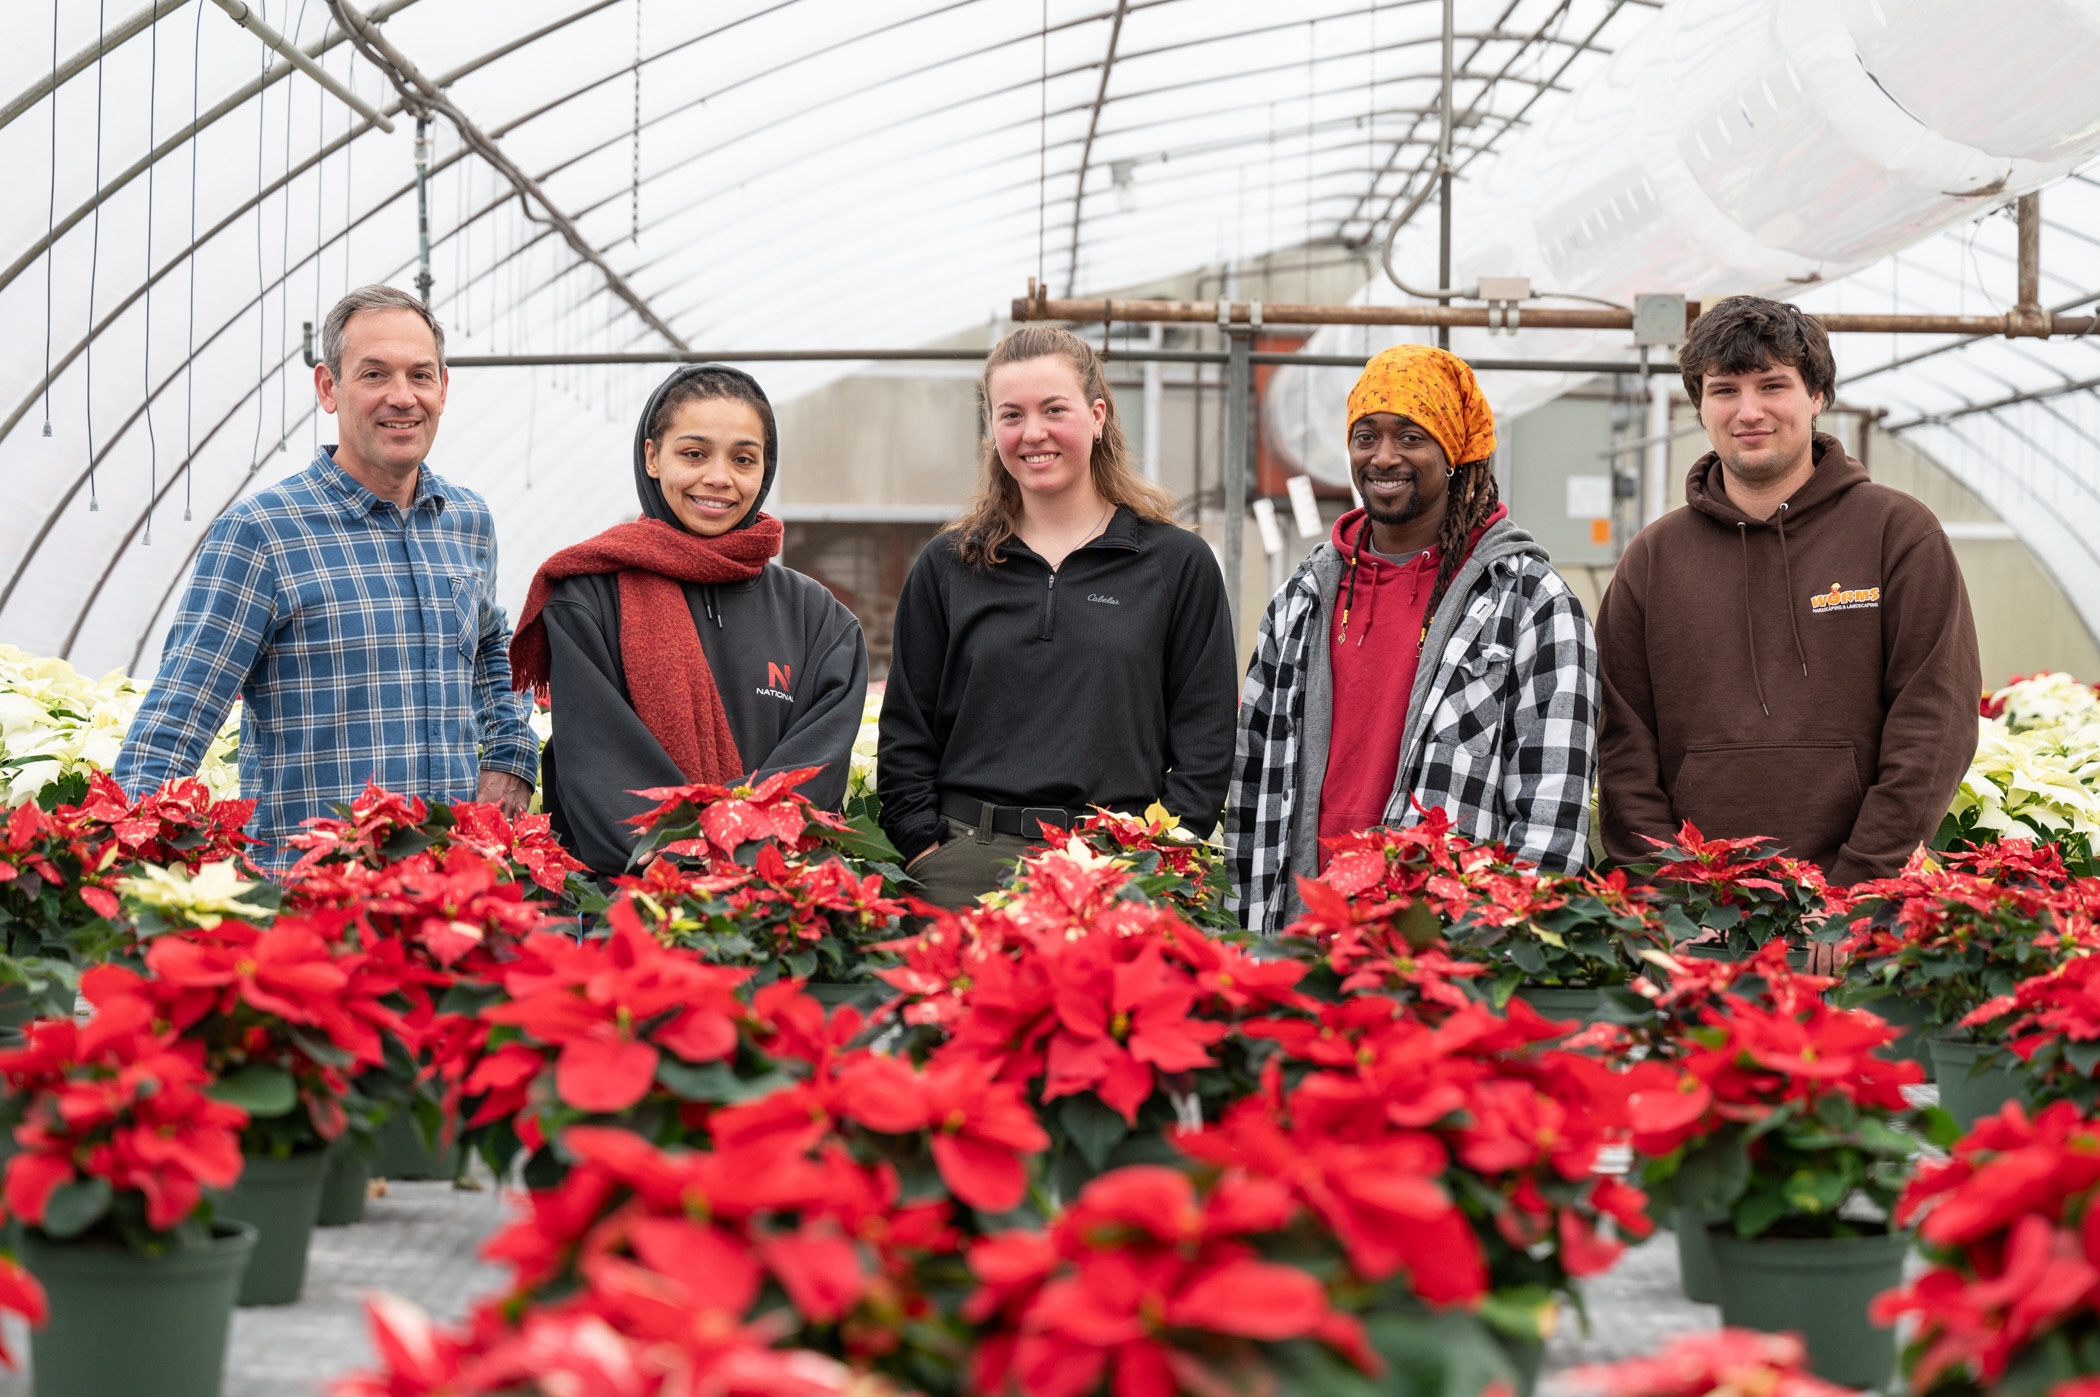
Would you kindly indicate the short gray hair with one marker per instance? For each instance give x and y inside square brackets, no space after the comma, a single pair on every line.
[377,296]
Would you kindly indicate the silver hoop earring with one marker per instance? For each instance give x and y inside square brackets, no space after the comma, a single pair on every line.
[1450,471]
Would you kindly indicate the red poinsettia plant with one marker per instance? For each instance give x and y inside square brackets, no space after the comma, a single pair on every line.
[2011,1226]
[1782,1115]
[682,1272]
[1735,895]
[117,1130]
[1957,931]
[381,830]
[60,869]
[283,1017]
[1167,862]
[2051,1022]
[759,876]
[1727,1363]
[1151,1285]
[1455,1159]
[1113,1014]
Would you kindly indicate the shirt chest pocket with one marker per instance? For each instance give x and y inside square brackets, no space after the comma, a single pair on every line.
[1470,706]
[465,611]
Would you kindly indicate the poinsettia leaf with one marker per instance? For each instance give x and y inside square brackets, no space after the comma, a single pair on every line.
[260,1089]
[1419,926]
[2083,1057]
[713,1082]
[75,1207]
[1714,1175]
[1092,1127]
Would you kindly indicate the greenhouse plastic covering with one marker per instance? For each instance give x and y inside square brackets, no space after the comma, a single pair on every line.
[788,174]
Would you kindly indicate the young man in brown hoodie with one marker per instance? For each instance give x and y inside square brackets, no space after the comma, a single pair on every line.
[1790,654]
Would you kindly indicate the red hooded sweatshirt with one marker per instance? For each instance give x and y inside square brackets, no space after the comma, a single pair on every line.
[1374,658]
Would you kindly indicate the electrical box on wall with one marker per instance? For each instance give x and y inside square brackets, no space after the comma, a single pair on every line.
[1558,478]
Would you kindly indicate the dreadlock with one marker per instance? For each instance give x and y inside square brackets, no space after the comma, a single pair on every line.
[1469,499]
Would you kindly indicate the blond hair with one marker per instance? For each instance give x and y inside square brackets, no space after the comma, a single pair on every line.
[990,522]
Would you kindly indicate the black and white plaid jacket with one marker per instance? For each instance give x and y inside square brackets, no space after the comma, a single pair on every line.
[1501,729]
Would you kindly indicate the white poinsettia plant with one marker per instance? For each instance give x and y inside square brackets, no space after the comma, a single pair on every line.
[55,722]
[860,779]
[2036,773]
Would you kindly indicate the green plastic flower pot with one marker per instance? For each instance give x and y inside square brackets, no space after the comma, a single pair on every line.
[344,1187]
[1908,1015]
[1695,1255]
[121,1322]
[279,1198]
[1821,1287]
[1969,1094]
[403,1155]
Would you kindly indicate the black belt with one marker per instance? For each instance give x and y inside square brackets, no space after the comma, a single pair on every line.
[1022,821]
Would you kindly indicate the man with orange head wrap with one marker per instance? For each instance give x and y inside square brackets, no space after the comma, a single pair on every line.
[1424,657]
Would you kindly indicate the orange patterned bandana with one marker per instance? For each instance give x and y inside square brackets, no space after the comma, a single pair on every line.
[1437,389]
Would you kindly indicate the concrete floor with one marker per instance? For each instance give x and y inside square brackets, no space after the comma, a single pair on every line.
[420,1242]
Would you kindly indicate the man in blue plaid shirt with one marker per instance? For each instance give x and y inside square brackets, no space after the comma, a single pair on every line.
[352,609]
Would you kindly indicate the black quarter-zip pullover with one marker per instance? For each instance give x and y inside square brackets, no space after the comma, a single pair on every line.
[1108,680]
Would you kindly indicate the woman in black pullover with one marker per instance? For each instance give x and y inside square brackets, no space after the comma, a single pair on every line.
[1063,645]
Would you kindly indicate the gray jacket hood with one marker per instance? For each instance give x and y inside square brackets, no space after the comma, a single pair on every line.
[646,489]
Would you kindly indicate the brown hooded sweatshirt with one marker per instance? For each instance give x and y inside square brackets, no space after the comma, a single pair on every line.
[1812,676]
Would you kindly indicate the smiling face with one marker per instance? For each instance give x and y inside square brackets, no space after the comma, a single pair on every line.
[1761,424]
[710,464]
[391,394]
[1399,469]
[1043,425]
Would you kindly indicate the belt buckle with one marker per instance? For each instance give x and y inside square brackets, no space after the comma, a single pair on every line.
[1043,814]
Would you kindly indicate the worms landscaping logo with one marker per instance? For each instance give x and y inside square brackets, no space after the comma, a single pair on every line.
[1839,599]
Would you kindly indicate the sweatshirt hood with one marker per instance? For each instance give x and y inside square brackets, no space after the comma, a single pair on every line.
[1835,473]
[1497,538]
[650,493]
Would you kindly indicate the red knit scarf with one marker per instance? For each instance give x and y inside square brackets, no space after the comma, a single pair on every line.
[668,678]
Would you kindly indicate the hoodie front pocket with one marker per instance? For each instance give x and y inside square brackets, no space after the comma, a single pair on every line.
[1805,795]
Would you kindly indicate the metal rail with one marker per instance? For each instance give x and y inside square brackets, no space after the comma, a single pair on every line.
[1137,355]
[289,52]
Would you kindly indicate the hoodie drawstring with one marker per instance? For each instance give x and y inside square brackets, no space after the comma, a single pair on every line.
[1788,567]
[707,603]
[1742,532]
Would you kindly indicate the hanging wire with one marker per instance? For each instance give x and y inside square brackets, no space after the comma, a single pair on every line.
[189,367]
[152,142]
[51,219]
[634,188]
[284,262]
[1042,148]
[349,170]
[262,291]
[320,213]
[95,255]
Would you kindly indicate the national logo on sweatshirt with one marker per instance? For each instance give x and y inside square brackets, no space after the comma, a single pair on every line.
[778,680]
[1840,598]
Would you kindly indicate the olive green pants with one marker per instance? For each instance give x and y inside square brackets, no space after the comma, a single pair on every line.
[966,866]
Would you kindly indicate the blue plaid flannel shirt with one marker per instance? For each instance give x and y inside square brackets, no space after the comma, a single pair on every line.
[364,642]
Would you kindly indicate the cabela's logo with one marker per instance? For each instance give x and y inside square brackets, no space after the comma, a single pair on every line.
[1838,598]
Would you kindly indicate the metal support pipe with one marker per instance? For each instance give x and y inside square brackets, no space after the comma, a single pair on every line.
[1239,457]
[423,282]
[1135,356]
[2028,318]
[1535,318]
[285,49]
[1154,405]
[1443,177]
[1655,480]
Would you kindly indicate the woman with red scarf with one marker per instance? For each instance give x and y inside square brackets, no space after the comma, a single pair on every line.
[672,653]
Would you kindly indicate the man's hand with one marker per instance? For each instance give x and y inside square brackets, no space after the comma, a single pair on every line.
[1824,959]
[506,792]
